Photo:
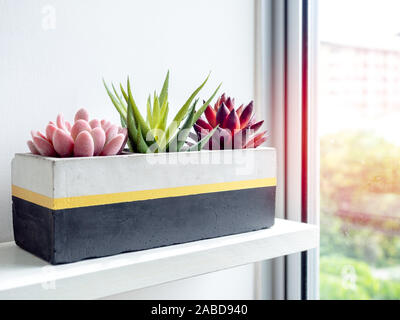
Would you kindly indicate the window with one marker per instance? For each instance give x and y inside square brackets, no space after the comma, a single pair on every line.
[359,115]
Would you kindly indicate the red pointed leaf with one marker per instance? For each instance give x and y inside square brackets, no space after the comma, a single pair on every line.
[246,115]
[211,116]
[220,101]
[256,140]
[259,142]
[232,122]
[239,110]
[201,132]
[229,103]
[222,114]
[204,124]
[256,126]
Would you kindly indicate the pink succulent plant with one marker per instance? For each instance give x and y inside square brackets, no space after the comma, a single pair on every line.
[82,139]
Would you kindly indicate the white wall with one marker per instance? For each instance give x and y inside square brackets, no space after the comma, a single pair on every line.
[54,53]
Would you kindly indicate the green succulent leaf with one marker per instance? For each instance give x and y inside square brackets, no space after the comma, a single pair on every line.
[141,144]
[123,122]
[124,93]
[138,117]
[205,105]
[180,115]
[115,101]
[153,134]
[131,125]
[177,142]
[149,116]
[164,91]
[156,111]
[162,123]
[122,103]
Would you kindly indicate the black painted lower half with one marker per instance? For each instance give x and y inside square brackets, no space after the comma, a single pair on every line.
[62,236]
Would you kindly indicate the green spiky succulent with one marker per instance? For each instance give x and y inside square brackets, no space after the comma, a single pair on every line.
[153,135]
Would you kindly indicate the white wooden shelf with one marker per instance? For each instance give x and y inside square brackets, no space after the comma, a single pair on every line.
[23,276]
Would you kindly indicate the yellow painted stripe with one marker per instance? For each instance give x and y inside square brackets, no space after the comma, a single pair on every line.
[110,198]
[33,197]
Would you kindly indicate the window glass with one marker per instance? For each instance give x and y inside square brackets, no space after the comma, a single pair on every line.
[359,124]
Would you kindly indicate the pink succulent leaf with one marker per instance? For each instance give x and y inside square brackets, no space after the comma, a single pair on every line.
[50,129]
[84,144]
[63,143]
[105,125]
[111,132]
[32,148]
[113,146]
[78,127]
[68,125]
[35,133]
[44,147]
[61,122]
[82,114]
[95,123]
[123,131]
[41,135]
[99,139]
[222,113]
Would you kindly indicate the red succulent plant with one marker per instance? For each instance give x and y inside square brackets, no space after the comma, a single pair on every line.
[236,127]
[82,139]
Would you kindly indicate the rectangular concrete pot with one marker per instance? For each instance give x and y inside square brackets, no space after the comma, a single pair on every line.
[70,209]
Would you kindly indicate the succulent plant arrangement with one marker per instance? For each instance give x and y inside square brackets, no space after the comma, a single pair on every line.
[222,127]
[84,138]
[153,134]
[231,128]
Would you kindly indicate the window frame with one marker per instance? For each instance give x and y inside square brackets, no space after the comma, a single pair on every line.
[291,47]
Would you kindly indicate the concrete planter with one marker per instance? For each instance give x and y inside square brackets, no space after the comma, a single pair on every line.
[66,210]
